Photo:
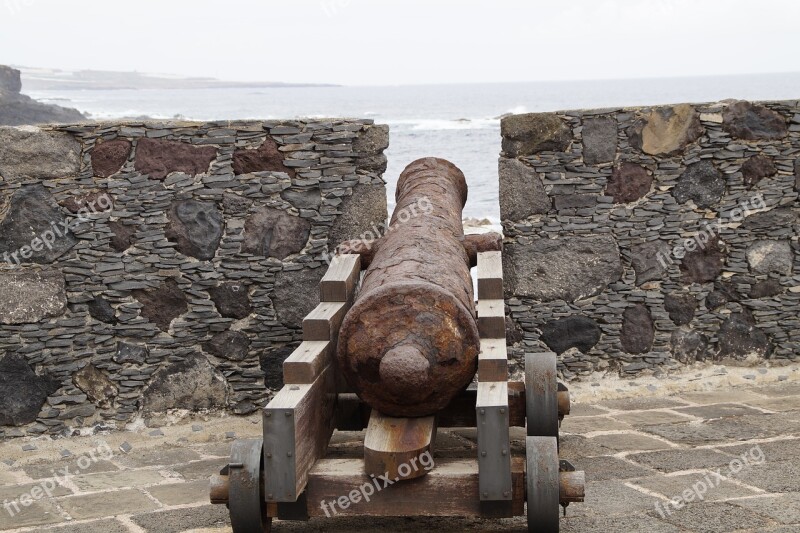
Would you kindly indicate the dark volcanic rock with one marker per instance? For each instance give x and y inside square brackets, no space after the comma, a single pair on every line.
[192,384]
[724,292]
[567,268]
[96,385]
[296,295]
[769,256]
[364,210]
[233,204]
[689,345]
[33,216]
[751,122]
[599,140]
[571,332]
[162,305]
[757,168]
[131,353]
[101,310]
[10,80]
[196,227]
[275,233]
[521,191]
[703,264]
[158,158]
[702,183]
[89,204]
[308,199]
[666,130]
[769,220]
[30,295]
[123,235]
[533,133]
[628,183]
[22,392]
[766,289]
[272,364]
[266,158]
[232,300]
[638,331]
[231,345]
[646,260]
[680,307]
[38,154]
[716,299]
[738,338]
[108,157]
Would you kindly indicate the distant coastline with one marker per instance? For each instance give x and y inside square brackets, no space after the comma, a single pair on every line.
[44,79]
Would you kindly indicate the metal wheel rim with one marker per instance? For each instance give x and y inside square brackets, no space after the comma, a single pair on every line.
[542,480]
[541,394]
[248,508]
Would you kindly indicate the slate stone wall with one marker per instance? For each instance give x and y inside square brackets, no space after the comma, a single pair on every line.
[154,266]
[645,238]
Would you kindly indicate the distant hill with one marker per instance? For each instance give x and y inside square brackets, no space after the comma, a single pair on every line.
[40,79]
[17,109]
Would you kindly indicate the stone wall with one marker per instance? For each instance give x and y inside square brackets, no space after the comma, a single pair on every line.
[154,266]
[645,238]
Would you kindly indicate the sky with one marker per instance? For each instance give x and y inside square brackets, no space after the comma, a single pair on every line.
[400,42]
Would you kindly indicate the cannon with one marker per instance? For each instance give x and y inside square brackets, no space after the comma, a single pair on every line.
[399,348]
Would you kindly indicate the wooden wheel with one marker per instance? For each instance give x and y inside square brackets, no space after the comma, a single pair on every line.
[543,484]
[541,394]
[246,501]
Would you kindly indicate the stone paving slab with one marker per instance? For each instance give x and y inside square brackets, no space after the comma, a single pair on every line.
[652,418]
[107,504]
[717,517]
[677,460]
[636,452]
[783,508]
[710,488]
[193,492]
[48,470]
[117,480]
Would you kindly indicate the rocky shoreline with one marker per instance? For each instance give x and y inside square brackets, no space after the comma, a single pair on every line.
[17,109]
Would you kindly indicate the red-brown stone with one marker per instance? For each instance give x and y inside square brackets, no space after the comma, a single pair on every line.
[757,168]
[159,158]
[108,157]
[266,158]
[93,202]
[628,183]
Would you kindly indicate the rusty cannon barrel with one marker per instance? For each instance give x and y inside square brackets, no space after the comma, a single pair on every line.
[410,342]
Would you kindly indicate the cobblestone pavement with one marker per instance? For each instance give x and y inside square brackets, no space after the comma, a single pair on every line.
[637,454]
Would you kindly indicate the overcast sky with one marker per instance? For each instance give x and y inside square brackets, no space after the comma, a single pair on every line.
[384,42]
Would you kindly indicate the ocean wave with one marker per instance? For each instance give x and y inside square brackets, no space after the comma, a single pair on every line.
[445,124]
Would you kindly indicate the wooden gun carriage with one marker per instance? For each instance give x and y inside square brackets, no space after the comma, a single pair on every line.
[401,350]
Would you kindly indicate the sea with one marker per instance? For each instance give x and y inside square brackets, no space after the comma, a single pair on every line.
[460,123]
